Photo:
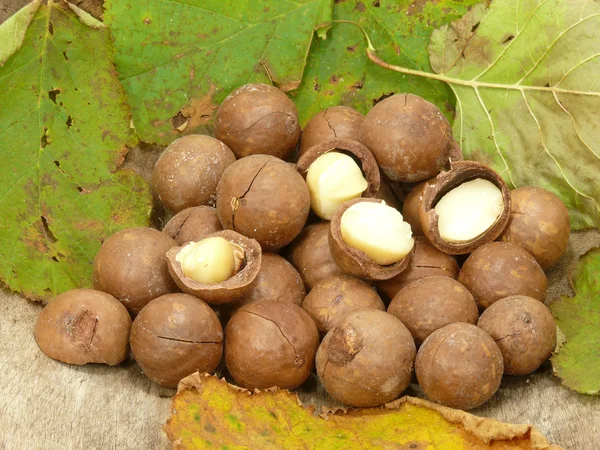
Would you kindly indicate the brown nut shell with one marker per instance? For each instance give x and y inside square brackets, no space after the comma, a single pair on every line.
[83,326]
[311,256]
[354,261]
[192,224]
[539,222]
[264,198]
[367,360]
[132,267]
[426,261]
[258,119]
[368,164]
[386,194]
[410,209]
[523,329]
[460,172]
[431,303]
[174,336]
[337,122]
[270,344]
[459,366]
[500,269]
[230,290]
[332,299]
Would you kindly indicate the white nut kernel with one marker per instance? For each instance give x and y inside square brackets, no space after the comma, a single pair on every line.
[378,230]
[469,210]
[211,260]
[332,179]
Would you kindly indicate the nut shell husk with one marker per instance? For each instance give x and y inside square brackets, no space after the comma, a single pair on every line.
[174,336]
[460,172]
[311,256]
[354,261]
[83,326]
[368,164]
[459,366]
[539,222]
[523,329]
[193,224]
[270,344]
[426,261]
[501,269]
[337,122]
[230,290]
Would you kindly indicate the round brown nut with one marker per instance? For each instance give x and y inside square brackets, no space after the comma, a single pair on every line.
[409,136]
[410,209]
[523,329]
[337,122]
[332,299]
[264,198]
[132,266]
[83,326]
[367,360]
[500,269]
[431,303]
[539,222]
[188,171]
[230,290]
[386,194]
[435,190]
[426,261]
[277,281]
[310,255]
[270,344]
[459,366]
[193,224]
[174,336]
[258,119]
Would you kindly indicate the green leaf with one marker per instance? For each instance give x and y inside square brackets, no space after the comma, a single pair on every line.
[63,134]
[339,73]
[577,361]
[178,59]
[525,75]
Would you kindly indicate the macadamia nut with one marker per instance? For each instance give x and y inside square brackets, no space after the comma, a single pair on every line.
[211,260]
[332,179]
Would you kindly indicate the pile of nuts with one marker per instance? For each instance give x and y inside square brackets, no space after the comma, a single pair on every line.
[286,266]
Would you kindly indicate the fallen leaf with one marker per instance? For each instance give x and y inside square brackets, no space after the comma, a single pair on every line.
[64,132]
[525,75]
[178,59]
[210,413]
[577,361]
[339,73]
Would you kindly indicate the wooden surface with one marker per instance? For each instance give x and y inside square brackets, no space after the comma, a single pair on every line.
[49,405]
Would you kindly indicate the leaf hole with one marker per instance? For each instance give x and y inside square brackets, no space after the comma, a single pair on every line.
[65,55]
[358,85]
[383,97]
[69,122]
[79,188]
[179,121]
[547,85]
[56,163]
[317,87]
[53,94]
[55,259]
[376,4]
[51,28]
[508,38]
[474,27]
[47,230]
[351,48]
[44,139]
[47,290]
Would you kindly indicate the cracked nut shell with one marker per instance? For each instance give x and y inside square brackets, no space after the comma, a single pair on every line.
[230,290]
[132,267]
[83,326]
[426,261]
[367,360]
[539,222]
[431,303]
[258,118]
[270,344]
[354,261]
[523,329]
[193,224]
[500,269]
[460,172]
[332,299]
[264,198]
[409,136]
[368,164]
[337,122]
[311,256]
[459,366]
[174,336]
